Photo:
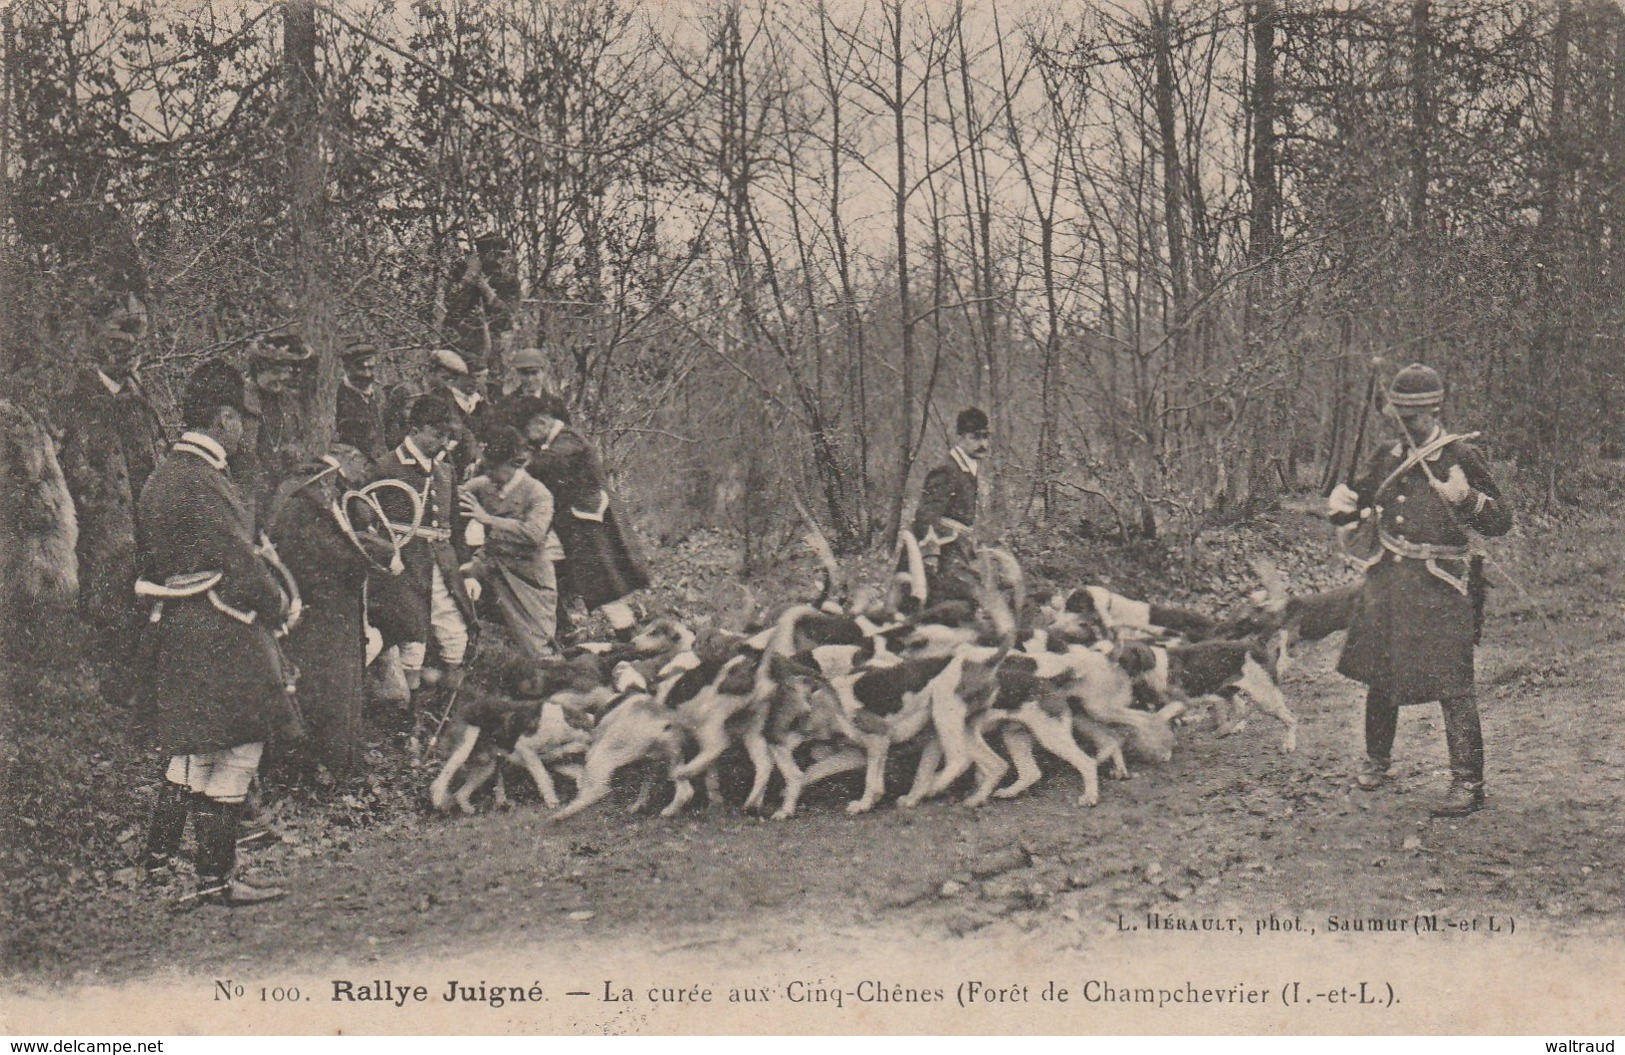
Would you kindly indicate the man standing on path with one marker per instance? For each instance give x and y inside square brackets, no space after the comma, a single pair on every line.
[219,688]
[1412,637]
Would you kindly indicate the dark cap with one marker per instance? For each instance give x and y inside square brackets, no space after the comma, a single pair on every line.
[492,243]
[1416,386]
[502,445]
[970,420]
[433,409]
[357,349]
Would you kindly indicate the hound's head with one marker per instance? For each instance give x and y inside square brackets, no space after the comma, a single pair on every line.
[662,636]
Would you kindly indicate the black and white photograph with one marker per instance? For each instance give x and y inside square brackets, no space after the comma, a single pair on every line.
[807,517]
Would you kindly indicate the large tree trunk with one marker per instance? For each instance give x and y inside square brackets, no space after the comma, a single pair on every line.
[309,427]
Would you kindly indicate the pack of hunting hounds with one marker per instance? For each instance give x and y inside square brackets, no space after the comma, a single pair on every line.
[837,684]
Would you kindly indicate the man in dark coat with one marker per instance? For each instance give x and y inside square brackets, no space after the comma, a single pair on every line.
[462,384]
[359,406]
[1412,637]
[112,441]
[603,561]
[480,307]
[430,597]
[945,519]
[219,687]
[330,560]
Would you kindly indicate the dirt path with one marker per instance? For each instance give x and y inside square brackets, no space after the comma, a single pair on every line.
[1230,828]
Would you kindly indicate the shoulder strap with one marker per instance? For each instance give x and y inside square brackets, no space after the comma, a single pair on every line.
[1417,454]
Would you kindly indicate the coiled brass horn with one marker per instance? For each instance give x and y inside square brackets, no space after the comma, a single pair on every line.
[399,533]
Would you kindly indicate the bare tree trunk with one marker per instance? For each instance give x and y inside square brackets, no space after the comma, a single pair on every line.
[1172,180]
[905,303]
[309,426]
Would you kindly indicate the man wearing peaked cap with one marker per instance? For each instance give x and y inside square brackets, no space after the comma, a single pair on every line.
[1421,604]
[359,405]
[945,519]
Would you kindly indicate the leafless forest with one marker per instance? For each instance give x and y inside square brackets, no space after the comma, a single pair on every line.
[773,246]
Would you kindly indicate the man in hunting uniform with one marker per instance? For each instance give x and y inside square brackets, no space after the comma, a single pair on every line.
[603,560]
[429,598]
[1412,637]
[218,685]
[945,519]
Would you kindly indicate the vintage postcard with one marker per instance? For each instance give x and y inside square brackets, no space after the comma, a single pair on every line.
[616,517]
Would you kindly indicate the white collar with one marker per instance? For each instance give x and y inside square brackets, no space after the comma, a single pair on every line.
[408,452]
[966,463]
[553,433]
[115,387]
[1438,430]
[204,446]
[364,392]
[465,400]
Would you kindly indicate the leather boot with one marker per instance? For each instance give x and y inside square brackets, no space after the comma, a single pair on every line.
[1465,739]
[1373,773]
[217,826]
[168,825]
[1462,798]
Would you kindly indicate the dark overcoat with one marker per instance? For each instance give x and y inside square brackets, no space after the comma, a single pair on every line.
[215,682]
[399,606]
[946,511]
[359,421]
[603,561]
[328,646]
[111,443]
[1412,633]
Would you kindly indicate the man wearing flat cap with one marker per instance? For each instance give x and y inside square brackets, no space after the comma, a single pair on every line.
[218,686]
[359,410]
[458,382]
[1413,633]
[945,519]
[112,440]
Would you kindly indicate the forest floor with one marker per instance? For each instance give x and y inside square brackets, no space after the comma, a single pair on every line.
[1230,828]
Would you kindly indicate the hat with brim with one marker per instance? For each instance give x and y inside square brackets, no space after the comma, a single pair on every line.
[280,348]
[356,351]
[1416,386]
